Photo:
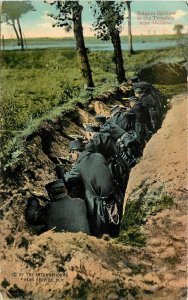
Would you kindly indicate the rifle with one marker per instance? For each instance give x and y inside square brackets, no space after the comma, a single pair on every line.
[126,102]
[76,136]
[64,160]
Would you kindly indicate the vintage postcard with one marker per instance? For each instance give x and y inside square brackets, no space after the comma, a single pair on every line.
[93,150]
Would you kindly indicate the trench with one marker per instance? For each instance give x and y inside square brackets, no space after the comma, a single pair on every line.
[36,168]
[48,145]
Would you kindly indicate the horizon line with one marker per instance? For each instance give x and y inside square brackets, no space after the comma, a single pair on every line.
[88,36]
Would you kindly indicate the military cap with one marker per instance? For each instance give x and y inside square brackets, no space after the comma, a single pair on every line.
[100,119]
[134,79]
[138,90]
[75,145]
[92,128]
[54,186]
[133,99]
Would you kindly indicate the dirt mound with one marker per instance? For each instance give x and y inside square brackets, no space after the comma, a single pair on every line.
[172,74]
[156,199]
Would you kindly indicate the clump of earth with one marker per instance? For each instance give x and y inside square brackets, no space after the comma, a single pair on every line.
[76,266]
[172,73]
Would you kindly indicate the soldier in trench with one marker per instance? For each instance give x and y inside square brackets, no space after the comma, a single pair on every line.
[127,141]
[60,213]
[104,204]
[124,119]
[149,89]
[100,142]
[149,102]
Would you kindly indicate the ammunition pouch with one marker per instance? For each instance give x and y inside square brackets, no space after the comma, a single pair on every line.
[129,148]
[108,211]
[129,140]
[119,168]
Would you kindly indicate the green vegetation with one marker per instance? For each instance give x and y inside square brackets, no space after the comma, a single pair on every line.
[94,40]
[37,85]
[143,203]
[133,236]
[178,29]
[36,81]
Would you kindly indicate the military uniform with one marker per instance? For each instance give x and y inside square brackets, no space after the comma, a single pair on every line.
[143,123]
[154,110]
[92,168]
[125,120]
[113,129]
[61,213]
[64,214]
[104,144]
[128,148]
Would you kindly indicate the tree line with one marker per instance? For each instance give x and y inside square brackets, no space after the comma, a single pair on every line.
[108,24]
[109,17]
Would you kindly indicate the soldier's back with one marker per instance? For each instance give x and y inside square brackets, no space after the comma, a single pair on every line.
[113,129]
[67,214]
[95,173]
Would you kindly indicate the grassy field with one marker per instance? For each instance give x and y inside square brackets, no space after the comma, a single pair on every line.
[38,84]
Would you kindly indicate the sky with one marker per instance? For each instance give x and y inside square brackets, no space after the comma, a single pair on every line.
[148,17]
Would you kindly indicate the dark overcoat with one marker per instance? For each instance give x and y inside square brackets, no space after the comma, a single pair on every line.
[142,114]
[92,168]
[63,213]
[154,109]
[124,120]
[104,144]
[113,129]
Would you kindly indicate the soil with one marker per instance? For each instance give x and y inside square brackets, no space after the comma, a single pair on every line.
[172,73]
[76,266]
[164,160]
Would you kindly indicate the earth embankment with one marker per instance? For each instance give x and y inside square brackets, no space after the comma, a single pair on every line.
[164,160]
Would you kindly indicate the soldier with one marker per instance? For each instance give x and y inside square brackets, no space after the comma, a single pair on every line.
[125,120]
[103,203]
[149,89]
[127,143]
[103,143]
[113,129]
[146,86]
[100,142]
[61,213]
[149,102]
[143,126]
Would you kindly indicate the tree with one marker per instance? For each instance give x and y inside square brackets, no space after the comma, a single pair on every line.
[178,29]
[70,17]
[12,11]
[109,16]
[131,51]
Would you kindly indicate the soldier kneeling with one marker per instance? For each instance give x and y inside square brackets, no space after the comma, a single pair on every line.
[61,213]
